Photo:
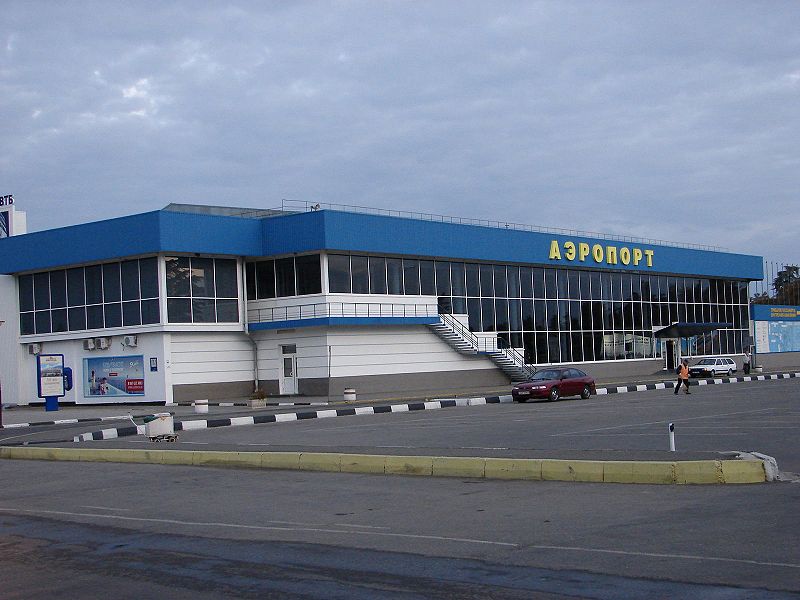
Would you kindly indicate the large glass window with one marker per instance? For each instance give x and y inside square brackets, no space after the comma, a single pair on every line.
[309,274]
[339,273]
[359,266]
[593,315]
[88,297]
[377,275]
[284,277]
[210,281]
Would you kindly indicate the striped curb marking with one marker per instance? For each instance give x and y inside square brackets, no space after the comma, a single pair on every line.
[671,385]
[107,434]
[249,405]
[69,421]
[531,469]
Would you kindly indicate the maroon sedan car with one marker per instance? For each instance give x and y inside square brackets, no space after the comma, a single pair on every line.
[553,384]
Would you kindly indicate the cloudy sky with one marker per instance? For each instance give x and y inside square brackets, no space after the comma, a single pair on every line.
[666,120]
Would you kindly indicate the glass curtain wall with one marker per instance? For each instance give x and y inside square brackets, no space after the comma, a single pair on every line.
[115,294]
[560,315]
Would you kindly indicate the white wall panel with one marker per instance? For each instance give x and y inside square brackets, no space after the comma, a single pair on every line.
[220,357]
[12,354]
[149,346]
[394,350]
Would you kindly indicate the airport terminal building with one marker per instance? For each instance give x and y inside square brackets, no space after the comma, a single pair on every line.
[194,302]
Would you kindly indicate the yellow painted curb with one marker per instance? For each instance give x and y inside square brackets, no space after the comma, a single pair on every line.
[743,471]
[363,463]
[280,460]
[698,471]
[320,461]
[513,468]
[409,465]
[638,472]
[646,472]
[212,458]
[459,466]
[572,470]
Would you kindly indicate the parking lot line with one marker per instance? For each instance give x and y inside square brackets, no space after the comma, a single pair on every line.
[661,421]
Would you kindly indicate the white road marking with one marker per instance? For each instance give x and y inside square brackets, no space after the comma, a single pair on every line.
[106,508]
[260,527]
[358,526]
[683,419]
[695,557]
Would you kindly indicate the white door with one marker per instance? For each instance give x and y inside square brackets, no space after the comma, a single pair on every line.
[288,369]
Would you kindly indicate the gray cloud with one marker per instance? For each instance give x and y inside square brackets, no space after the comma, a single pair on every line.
[663,121]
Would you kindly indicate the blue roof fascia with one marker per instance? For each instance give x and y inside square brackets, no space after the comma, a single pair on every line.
[76,244]
[354,232]
[146,233]
[209,234]
[289,234]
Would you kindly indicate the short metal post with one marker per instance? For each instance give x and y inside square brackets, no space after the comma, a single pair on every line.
[672,437]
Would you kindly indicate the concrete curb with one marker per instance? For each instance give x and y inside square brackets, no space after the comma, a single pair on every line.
[70,421]
[529,469]
[107,434]
[622,389]
[249,405]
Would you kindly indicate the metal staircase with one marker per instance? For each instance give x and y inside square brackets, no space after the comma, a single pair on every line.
[462,340]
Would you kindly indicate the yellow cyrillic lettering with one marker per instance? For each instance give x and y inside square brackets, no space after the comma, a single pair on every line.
[569,250]
[555,253]
[625,256]
[583,251]
[597,253]
[611,255]
[649,255]
[637,256]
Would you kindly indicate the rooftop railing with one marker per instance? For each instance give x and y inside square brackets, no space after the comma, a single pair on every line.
[340,309]
[288,206]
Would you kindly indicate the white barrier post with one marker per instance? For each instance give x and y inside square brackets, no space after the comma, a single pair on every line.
[672,437]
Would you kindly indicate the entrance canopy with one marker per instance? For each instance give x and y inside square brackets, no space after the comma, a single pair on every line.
[682,330]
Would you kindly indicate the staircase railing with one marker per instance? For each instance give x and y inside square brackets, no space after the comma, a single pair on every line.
[483,344]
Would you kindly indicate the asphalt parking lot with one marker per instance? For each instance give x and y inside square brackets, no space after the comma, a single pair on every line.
[211,533]
[758,416]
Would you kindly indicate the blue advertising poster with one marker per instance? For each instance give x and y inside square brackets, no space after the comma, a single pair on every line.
[784,336]
[113,376]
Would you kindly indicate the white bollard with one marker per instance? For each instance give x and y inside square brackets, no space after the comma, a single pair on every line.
[349,395]
[200,406]
[672,437]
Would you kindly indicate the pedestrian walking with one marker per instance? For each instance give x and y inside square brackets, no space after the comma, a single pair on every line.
[683,377]
[746,362]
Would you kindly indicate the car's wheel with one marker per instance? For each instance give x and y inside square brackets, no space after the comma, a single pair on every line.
[586,392]
[554,394]
[730,372]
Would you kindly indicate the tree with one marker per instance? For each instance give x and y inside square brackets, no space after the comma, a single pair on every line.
[787,285]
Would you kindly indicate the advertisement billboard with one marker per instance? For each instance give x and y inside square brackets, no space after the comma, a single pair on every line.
[113,376]
[50,370]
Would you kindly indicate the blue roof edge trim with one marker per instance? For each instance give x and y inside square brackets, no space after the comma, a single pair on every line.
[355,232]
[146,233]
[327,230]
[334,321]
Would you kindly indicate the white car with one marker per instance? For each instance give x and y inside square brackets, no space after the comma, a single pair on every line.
[713,367]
